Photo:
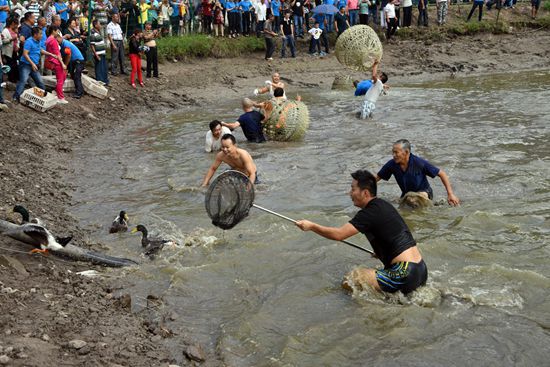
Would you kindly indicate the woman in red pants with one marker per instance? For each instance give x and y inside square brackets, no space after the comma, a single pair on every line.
[56,63]
[135,57]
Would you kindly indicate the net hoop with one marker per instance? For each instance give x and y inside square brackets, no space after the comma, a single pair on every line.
[229,199]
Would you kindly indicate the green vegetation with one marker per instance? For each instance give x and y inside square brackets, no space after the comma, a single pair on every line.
[199,45]
[546,5]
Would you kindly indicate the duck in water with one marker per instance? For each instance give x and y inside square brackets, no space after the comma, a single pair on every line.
[120,223]
[151,246]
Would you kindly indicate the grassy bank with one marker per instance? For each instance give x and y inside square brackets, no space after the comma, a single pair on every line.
[199,45]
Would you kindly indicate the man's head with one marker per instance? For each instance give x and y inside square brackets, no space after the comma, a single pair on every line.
[383,77]
[148,26]
[275,77]
[216,128]
[96,25]
[356,82]
[29,18]
[36,33]
[342,9]
[229,144]
[316,25]
[278,92]
[401,151]
[247,104]
[287,15]
[363,188]
[270,17]
[115,18]
[56,21]
[42,22]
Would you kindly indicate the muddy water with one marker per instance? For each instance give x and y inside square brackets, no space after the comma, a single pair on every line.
[266,294]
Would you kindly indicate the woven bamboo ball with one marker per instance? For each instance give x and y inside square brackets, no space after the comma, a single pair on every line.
[287,121]
[358,47]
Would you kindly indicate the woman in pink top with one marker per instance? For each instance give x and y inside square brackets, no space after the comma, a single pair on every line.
[56,63]
[353,10]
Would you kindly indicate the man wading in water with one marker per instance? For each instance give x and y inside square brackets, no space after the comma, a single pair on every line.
[392,241]
[410,173]
[237,158]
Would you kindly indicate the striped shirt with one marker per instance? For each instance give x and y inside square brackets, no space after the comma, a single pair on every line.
[35,9]
[96,40]
[100,13]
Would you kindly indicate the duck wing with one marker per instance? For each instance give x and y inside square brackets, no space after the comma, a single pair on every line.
[63,241]
[117,226]
[37,233]
[153,247]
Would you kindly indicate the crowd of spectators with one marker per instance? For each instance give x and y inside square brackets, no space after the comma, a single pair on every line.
[64,24]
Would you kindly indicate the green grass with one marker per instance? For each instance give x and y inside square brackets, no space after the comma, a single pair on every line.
[546,6]
[199,46]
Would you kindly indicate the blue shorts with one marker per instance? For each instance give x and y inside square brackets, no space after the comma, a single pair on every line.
[402,276]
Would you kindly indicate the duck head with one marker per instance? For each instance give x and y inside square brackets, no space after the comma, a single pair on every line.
[24,213]
[140,228]
[123,217]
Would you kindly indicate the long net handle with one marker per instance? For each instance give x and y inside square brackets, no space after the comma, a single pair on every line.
[293,221]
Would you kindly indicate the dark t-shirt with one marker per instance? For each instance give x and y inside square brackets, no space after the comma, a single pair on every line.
[286,23]
[414,178]
[340,20]
[251,123]
[298,8]
[385,229]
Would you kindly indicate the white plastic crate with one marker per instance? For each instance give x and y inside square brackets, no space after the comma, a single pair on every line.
[93,87]
[50,81]
[42,104]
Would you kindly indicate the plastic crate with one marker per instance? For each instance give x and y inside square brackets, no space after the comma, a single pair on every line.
[42,104]
[50,81]
[93,87]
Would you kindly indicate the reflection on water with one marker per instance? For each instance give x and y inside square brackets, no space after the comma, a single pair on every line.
[266,294]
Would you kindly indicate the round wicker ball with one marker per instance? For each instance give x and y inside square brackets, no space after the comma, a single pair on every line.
[288,121]
[358,47]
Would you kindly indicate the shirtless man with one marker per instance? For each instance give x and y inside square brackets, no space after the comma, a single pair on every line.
[271,85]
[237,158]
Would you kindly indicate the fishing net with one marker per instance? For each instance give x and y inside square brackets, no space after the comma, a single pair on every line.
[229,198]
[358,47]
[287,121]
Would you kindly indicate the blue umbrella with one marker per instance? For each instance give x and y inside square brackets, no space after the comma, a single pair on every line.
[325,9]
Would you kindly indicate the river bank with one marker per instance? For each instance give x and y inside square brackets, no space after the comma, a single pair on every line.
[46,304]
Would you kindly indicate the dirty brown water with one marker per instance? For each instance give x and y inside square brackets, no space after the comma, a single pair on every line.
[267,294]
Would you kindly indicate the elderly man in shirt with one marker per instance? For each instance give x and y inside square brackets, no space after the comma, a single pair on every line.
[116,39]
[410,173]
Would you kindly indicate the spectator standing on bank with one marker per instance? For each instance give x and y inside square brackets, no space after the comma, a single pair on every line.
[116,40]
[364,12]
[407,13]
[10,48]
[441,11]
[149,37]
[423,12]
[97,46]
[341,21]
[391,19]
[353,11]
[134,51]
[287,31]
[55,62]
[477,3]
[260,8]
[269,35]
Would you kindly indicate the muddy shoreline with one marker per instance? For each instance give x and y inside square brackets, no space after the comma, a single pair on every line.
[48,308]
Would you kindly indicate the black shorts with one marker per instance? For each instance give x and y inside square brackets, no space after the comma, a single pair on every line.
[535,4]
[402,276]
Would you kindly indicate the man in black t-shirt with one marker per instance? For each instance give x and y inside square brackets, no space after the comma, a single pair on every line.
[250,122]
[298,16]
[392,241]
[287,30]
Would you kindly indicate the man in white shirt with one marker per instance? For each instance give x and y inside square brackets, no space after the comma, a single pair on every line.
[213,141]
[378,81]
[261,13]
[116,39]
[391,19]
